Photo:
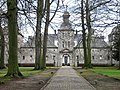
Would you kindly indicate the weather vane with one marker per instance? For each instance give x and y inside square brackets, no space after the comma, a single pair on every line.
[66,7]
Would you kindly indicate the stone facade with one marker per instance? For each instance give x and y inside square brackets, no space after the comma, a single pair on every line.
[20,44]
[100,55]
[65,48]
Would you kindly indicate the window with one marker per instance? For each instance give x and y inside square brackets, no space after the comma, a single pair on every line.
[62,35]
[68,34]
[63,44]
[53,57]
[23,57]
[93,57]
[46,58]
[108,57]
[100,56]
[77,58]
[31,56]
[68,43]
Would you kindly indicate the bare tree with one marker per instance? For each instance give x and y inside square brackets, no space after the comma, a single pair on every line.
[47,22]
[38,42]
[13,69]
[2,47]
[2,39]
[88,24]
[84,34]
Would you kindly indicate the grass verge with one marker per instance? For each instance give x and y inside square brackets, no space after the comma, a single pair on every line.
[108,71]
[26,71]
[100,77]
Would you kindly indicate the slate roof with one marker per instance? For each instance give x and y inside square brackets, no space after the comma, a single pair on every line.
[30,42]
[50,42]
[96,42]
[51,39]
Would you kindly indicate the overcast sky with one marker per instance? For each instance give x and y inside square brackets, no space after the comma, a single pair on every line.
[55,24]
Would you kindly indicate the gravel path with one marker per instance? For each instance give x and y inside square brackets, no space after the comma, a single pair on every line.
[66,78]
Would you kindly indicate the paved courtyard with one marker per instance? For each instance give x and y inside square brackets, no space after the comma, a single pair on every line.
[66,78]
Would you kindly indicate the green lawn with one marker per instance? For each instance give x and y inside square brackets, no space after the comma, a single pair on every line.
[26,71]
[109,71]
[3,72]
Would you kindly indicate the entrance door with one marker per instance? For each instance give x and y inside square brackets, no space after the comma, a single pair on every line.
[66,60]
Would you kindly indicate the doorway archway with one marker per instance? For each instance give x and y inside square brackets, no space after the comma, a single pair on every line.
[66,60]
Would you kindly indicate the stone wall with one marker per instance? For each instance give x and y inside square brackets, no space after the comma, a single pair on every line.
[100,56]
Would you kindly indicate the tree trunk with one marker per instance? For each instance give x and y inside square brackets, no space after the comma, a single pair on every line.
[119,48]
[88,20]
[84,36]
[38,42]
[46,33]
[119,56]
[13,69]
[2,47]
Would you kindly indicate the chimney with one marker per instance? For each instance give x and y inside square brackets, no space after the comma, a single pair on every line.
[55,31]
[76,32]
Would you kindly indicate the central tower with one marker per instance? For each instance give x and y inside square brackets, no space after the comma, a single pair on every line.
[65,40]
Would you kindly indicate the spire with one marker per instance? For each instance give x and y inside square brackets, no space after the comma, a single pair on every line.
[66,7]
[66,23]
[66,16]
